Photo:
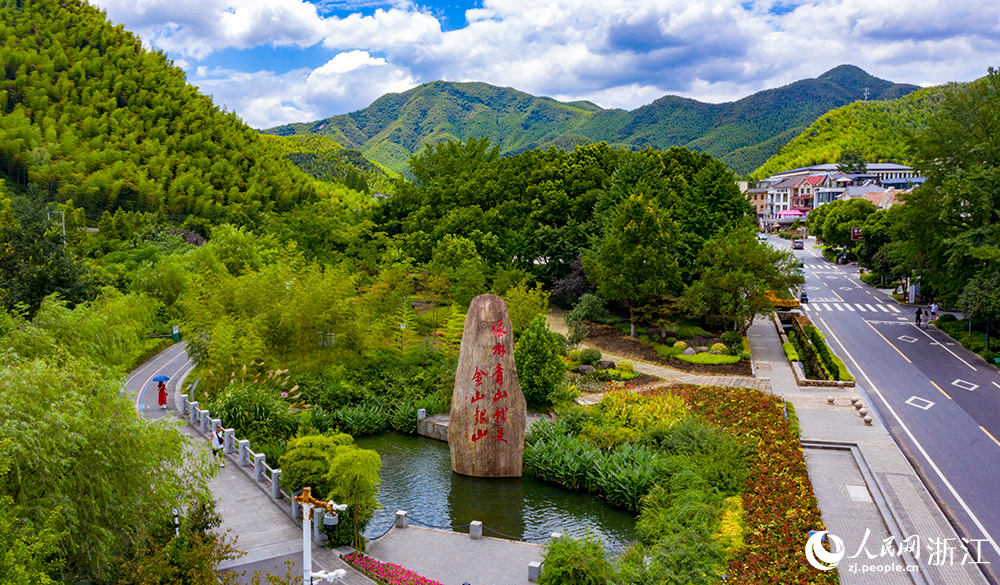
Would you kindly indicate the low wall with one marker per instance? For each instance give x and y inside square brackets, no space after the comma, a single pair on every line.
[797,369]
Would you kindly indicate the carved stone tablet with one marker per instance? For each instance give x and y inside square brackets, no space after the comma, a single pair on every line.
[486,429]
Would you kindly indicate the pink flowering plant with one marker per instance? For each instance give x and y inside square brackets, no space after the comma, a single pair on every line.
[387,573]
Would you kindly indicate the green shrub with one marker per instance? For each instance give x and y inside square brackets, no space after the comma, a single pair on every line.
[708,359]
[590,356]
[719,347]
[626,366]
[539,365]
[689,330]
[671,341]
[573,561]
[870,278]
[947,318]
[833,364]
[793,356]
[565,393]
[680,345]
[665,352]
[574,355]
[732,338]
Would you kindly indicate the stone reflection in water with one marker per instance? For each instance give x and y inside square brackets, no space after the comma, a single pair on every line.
[417,477]
[497,502]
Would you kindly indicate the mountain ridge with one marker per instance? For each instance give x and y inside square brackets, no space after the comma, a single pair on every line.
[743,133]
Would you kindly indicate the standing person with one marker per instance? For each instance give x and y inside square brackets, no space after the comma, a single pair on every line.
[934,311]
[919,315]
[218,442]
[162,398]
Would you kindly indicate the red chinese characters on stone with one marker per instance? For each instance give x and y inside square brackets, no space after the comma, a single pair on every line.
[480,433]
[500,415]
[477,396]
[498,330]
[500,393]
[478,376]
[481,417]
[500,349]
[499,435]
[498,375]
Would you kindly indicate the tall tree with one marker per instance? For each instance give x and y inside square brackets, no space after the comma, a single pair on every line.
[951,225]
[736,272]
[634,262]
[852,162]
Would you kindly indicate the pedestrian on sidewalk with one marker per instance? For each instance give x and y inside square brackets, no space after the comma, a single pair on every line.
[920,314]
[934,312]
[162,398]
[218,442]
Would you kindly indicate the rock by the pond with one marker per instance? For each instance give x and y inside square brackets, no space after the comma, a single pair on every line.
[585,369]
[689,351]
[701,349]
[715,352]
[605,365]
[486,428]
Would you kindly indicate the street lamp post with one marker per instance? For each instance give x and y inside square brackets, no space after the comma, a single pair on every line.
[308,503]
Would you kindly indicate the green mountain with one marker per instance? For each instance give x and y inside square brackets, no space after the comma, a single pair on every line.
[88,115]
[325,160]
[879,129]
[744,134]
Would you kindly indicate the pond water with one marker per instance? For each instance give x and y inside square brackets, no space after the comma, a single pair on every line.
[417,477]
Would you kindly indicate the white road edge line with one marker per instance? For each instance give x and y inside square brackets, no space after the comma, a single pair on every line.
[920,447]
[948,350]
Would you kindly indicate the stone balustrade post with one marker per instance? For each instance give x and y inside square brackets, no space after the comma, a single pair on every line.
[229,440]
[401,519]
[476,530]
[203,416]
[244,449]
[193,414]
[276,483]
[258,466]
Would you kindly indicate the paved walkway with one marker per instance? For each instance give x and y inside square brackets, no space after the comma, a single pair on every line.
[454,558]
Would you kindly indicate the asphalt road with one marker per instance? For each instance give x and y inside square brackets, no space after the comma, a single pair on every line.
[940,402]
[140,385]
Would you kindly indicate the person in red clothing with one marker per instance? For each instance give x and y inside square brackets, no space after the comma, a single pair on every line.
[162,398]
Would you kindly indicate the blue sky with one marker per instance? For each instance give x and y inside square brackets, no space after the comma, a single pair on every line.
[279,61]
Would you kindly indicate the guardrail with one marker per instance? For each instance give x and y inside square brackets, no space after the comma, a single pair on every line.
[253,465]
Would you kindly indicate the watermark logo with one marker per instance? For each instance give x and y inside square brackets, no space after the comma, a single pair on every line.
[818,556]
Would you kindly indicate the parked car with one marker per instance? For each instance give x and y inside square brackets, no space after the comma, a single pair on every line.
[761,236]
[798,244]
[803,297]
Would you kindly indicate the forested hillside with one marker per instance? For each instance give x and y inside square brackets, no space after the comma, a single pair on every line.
[743,134]
[878,129]
[88,115]
[324,159]
[399,124]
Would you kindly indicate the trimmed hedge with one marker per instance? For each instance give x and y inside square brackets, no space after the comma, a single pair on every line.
[708,359]
[793,356]
[832,364]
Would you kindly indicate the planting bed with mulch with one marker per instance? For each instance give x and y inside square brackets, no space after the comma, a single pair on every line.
[608,339]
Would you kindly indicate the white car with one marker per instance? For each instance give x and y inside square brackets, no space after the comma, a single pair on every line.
[761,236]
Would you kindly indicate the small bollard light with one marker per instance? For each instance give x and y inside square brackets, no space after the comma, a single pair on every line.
[868,420]
[863,412]
[854,399]
[829,399]
[330,519]
[858,405]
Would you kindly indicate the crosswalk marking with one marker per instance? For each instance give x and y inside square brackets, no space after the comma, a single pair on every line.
[830,307]
[839,308]
[860,307]
[894,309]
[826,308]
[882,308]
[849,307]
[871,308]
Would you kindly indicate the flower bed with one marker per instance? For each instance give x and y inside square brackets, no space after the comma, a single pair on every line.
[386,573]
[779,504]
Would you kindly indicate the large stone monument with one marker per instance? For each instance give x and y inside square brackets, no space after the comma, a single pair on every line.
[486,429]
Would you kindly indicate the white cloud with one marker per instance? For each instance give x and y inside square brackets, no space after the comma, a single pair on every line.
[264,99]
[616,53]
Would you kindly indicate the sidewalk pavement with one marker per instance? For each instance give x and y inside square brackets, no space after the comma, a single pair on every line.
[866,489]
